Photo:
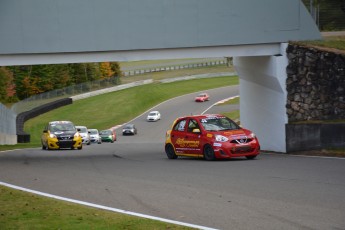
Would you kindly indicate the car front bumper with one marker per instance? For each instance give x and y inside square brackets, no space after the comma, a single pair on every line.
[54,143]
[229,150]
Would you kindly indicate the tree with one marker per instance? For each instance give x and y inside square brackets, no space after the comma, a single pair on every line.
[106,70]
[7,86]
[115,67]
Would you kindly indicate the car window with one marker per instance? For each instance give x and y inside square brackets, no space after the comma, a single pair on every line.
[61,127]
[83,130]
[93,131]
[192,124]
[180,126]
[218,124]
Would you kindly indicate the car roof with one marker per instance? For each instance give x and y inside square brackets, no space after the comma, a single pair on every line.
[60,122]
[202,116]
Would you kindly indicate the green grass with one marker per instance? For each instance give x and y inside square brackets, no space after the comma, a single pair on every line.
[22,210]
[334,42]
[233,115]
[234,101]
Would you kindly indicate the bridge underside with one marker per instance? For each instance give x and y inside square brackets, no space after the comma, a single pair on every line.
[138,55]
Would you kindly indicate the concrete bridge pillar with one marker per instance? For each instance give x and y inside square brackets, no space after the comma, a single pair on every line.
[263,97]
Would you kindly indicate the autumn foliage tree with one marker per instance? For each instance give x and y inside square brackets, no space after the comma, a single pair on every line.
[25,81]
[7,86]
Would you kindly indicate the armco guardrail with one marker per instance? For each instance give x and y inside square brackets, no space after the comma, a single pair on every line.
[111,89]
[172,67]
[23,137]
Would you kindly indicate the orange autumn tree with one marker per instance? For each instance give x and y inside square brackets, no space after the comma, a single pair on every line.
[106,70]
[7,86]
[30,86]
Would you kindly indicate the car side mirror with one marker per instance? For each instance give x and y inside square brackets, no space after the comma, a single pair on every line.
[45,131]
[78,130]
[196,131]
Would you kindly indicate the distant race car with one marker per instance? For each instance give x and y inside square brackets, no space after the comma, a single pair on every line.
[61,134]
[129,129]
[202,97]
[210,137]
[153,116]
[94,136]
[84,132]
[107,135]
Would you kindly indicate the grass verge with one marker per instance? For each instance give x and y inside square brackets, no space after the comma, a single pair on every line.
[21,210]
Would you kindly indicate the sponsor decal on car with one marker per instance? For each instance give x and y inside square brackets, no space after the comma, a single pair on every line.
[189,144]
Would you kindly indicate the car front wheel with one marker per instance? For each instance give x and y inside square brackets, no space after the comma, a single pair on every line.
[251,157]
[170,151]
[209,153]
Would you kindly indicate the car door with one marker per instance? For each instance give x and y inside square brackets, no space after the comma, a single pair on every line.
[193,141]
[177,136]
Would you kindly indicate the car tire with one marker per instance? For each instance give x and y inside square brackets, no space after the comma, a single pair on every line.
[209,153]
[89,143]
[79,148]
[170,151]
[43,146]
[251,157]
[112,141]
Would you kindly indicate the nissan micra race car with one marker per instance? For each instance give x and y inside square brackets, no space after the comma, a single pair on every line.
[61,134]
[210,137]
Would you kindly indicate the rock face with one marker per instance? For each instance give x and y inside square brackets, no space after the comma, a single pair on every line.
[315,84]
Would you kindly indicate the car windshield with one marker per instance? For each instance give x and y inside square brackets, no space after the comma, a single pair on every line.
[83,130]
[218,124]
[62,127]
[129,127]
[152,114]
[94,131]
[105,132]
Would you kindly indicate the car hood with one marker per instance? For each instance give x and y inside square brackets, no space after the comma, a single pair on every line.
[233,134]
[59,133]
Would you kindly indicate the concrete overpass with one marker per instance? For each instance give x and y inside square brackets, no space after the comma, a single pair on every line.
[254,32]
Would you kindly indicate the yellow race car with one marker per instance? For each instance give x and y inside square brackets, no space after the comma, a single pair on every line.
[61,134]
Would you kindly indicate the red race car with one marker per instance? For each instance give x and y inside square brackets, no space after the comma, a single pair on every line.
[202,97]
[210,137]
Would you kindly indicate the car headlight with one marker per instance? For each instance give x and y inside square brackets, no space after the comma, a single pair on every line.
[221,138]
[52,135]
[252,135]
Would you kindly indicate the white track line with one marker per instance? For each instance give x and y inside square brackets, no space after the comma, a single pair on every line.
[219,102]
[106,208]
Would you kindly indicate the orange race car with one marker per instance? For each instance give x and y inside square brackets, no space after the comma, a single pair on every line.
[210,137]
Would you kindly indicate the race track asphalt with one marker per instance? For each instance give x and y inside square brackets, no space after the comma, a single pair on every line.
[275,191]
